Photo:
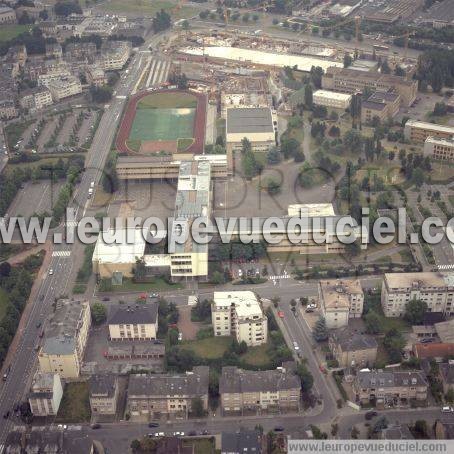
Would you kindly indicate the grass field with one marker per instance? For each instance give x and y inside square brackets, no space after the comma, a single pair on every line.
[3,303]
[75,404]
[158,284]
[146,7]
[162,124]
[8,32]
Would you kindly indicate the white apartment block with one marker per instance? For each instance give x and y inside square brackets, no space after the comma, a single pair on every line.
[340,300]
[435,289]
[239,314]
[56,74]
[36,98]
[45,394]
[136,322]
[332,99]
[114,55]
[442,149]
[65,87]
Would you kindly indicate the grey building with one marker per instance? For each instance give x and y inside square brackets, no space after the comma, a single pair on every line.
[244,441]
[103,394]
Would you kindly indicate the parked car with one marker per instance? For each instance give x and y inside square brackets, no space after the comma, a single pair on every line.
[96,426]
[295,346]
[279,429]
[153,424]
[280,314]
[447,409]
[370,414]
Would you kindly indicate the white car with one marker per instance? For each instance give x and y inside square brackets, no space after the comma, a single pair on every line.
[51,272]
[311,306]
[180,336]
[295,346]
[447,409]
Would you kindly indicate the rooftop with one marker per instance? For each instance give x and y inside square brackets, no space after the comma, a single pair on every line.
[193,383]
[441,141]
[42,381]
[353,341]
[333,95]
[245,302]
[235,380]
[244,441]
[447,372]
[430,126]
[416,280]
[310,209]
[102,385]
[379,378]
[433,350]
[445,331]
[134,314]
[249,120]
[336,293]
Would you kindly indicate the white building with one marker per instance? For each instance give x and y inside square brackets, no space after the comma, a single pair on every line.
[65,87]
[332,99]
[239,314]
[340,300]
[419,131]
[35,98]
[114,55]
[442,149]
[134,322]
[435,289]
[45,394]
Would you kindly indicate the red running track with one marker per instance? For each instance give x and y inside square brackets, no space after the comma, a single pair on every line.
[197,146]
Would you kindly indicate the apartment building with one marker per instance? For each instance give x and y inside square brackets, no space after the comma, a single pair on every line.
[248,391]
[353,349]
[65,339]
[103,394]
[442,149]
[54,50]
[346,80]
[45,394]
[114,55]
[447,375]
[383,105]
[65,87]
[35,98]
[8,109]
[239,314]
[332,99]
[133,322]
[435,289]
[7,15]
[340,300]
[419,131]
[390,388]
[95,76]
[153,396]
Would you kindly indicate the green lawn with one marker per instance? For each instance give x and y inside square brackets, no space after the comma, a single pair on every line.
[146,7]
[3,303]
[75,404]
[157,284]
[183,144]
[257,356]
[8,32]
[200,445]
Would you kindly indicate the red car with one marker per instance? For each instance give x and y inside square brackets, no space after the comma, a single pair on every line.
[280,314]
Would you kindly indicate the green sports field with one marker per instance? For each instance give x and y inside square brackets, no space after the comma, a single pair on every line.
[162,124]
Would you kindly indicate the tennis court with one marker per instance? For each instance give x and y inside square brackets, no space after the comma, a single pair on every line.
[162,124]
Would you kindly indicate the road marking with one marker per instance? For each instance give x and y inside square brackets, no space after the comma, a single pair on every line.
[282,276]
[61,253]
[446,267]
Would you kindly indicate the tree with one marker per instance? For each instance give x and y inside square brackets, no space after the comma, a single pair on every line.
[101,94]
[272,186]
[161,21]
[440,109]
[135,445]
[98,313]
[373,323]
[414,311]
[348,60]
[185,25]
[65,8]
[418,177]
[320,332]
[307,380]
[308,96]
[385,69]
[394,343]
[273,156]
[450,396]
[197,407]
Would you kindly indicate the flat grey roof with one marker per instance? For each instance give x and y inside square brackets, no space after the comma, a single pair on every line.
[134,314]
[249,120]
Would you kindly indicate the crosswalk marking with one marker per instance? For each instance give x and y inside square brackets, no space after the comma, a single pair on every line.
[282,276]
[61,253]
[446,267]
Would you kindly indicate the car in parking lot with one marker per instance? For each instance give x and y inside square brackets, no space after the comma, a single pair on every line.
[96,426]
[370,414]
[447,409]
[153,424]
[279,429]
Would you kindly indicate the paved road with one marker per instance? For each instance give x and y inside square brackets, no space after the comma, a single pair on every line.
[54,285]
[3,149]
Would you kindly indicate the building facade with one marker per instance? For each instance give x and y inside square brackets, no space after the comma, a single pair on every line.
[45,394]
[383,105]
[134,322]
[245,391]
[435,289]
[239,314]
[65,339]
[35,98]
[332,99]
[340,300]
[419,131]
[114,55]
[351,81]
[442,149]
[154,396]
[7,15]
[390,388]
[65,87]
[103,394]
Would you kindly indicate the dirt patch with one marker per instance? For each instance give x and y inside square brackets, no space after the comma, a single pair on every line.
[186,326]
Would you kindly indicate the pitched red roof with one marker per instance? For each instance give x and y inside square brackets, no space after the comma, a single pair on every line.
[433,350]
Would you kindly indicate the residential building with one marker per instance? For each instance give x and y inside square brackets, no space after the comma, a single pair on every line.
[383,105]
[434,288]
[396,432]
[7,15]
[65,339]
[35,98]
[353,349]
[249,391]
[133,322]
[447,375]
[419,131]
[351,81]
[241,315]
[442,149]
[445,331]
[45,394]
[53,75]
[153,396]
[95,76]
[103,394]
[390,388]
[114,55]
[444,429]
[83,52]
[332,99]
[35,441]
[8,109]
[242,442]
[54,50]
[65,87]
[254,123]
[340,300]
